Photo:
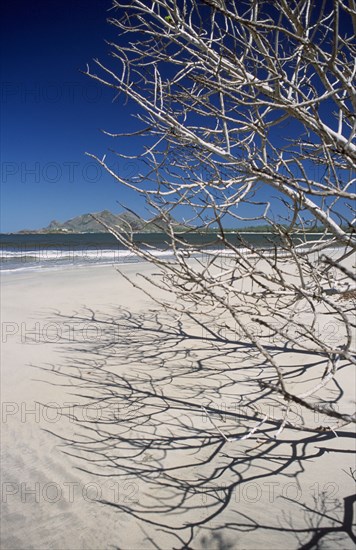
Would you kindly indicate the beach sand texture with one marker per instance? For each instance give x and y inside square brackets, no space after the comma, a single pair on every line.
[62,320]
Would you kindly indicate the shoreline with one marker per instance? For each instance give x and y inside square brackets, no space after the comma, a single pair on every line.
[81,259]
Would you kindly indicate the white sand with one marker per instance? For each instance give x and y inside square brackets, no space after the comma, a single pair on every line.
[47,503]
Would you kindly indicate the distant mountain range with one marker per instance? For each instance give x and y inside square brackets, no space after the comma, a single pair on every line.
[88,224]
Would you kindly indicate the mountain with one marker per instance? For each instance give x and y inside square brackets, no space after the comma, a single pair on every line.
[86,223]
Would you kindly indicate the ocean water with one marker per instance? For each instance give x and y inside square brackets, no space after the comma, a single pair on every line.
[41,251]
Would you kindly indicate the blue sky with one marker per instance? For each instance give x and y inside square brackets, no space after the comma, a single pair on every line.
[51,113]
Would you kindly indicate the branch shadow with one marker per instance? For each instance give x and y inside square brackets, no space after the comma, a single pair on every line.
[178,420]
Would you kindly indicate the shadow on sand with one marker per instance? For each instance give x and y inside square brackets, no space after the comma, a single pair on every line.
[177,419]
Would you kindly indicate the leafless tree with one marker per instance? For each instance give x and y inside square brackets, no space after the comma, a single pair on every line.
[247,115]
[249,107]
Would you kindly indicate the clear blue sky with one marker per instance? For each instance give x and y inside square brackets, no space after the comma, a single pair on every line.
[51,113]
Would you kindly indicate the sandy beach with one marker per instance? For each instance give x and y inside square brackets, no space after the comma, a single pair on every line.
[178,275]
[75,335]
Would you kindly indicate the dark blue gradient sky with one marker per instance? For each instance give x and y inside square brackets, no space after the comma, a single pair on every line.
[51,113]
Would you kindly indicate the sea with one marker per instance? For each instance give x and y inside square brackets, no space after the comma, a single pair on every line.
[58,250]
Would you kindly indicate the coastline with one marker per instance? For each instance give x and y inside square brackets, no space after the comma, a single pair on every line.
[37,251]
